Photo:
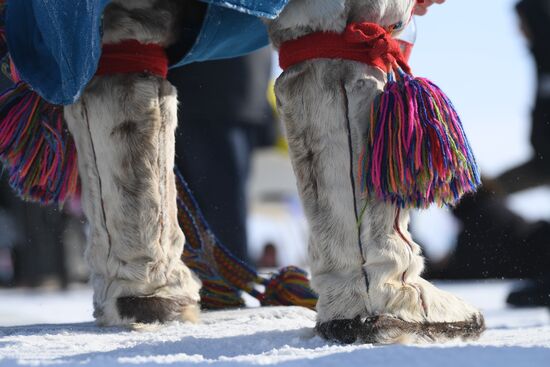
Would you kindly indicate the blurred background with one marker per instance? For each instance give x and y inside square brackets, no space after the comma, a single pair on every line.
[474,50]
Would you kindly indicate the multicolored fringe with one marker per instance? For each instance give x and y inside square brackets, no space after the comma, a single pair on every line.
[224,276]
[416,151]
[36,147]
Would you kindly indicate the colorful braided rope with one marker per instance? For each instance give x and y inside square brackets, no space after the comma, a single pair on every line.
[224,276]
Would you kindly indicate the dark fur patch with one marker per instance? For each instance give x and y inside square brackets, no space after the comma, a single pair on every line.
[150,309]
[140,20]
[313,184]
[125,129]
[388,329]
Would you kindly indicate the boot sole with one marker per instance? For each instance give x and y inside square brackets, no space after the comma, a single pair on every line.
[385,329]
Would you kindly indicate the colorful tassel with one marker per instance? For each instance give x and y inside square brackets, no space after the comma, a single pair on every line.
[36,147]
[416,151]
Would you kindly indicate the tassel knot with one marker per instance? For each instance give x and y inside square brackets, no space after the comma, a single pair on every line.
[377,42]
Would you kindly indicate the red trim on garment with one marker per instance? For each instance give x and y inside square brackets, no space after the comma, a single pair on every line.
[368,43]
[131,56]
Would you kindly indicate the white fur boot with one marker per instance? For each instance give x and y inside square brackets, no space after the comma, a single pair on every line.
[365,267]
[124,126]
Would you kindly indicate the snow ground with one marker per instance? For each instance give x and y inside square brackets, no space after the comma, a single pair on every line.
[50,328]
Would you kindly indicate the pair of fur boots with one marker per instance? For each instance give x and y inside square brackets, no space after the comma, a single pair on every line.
[365,268]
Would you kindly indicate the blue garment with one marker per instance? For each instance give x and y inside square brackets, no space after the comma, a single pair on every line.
[56,44]
[259,8]
[226,33]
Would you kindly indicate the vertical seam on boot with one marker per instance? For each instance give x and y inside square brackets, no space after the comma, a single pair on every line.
[352,182]
[100,187]
[162,171]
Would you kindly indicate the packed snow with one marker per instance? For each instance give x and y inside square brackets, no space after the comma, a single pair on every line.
[52,328]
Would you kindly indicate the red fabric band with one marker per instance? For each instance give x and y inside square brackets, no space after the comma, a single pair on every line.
[132,56]
[368,43]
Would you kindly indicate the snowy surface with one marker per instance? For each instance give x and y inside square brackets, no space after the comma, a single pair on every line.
[49,328]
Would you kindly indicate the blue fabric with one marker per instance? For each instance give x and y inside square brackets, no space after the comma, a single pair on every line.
[56,44]
[226,33]
[258,8]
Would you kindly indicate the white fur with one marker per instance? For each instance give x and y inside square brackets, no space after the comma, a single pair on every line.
[123,127]
[130,19]
[315,100]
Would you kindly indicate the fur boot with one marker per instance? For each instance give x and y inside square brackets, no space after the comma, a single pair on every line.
[365,266]
[124,127]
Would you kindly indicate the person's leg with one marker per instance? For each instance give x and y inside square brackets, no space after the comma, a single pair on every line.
[124,131]
[535,294]
[38,255]
[536,171]
[123,127]
[223,113]
[365,266]
[214,159]
[534,257]
[494,242]
[531,174]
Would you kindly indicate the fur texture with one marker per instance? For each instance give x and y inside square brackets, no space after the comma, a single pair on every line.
[124,131]
[364,262]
